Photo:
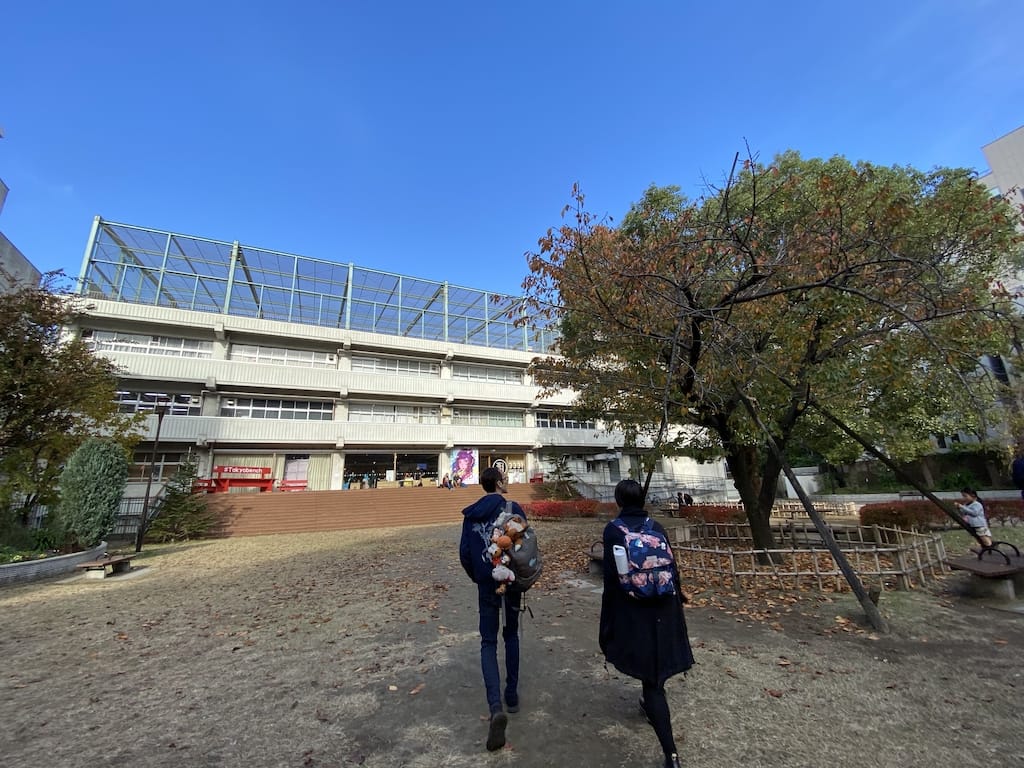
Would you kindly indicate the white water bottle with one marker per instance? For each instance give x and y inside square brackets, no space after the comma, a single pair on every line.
[621,561]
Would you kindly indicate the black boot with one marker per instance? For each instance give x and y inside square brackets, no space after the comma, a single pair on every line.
[496,731]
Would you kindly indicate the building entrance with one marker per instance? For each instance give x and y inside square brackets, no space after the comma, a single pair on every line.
[367,470]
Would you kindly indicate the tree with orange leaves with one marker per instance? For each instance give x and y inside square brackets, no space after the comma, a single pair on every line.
[871,290]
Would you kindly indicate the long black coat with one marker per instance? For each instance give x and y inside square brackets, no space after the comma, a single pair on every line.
[645,639]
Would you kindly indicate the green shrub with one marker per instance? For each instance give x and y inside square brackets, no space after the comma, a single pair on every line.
[954,481]
[50,536]
[181,514]
[12,555]
[91,488]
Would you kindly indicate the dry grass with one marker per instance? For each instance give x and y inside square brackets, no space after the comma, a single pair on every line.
[360,649]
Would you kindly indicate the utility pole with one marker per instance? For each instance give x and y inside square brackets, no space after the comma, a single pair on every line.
[160,409]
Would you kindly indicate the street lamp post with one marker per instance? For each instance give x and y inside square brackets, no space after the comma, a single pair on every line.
[160,409]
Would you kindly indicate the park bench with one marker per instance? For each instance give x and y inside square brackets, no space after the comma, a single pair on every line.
[994,573]
[224,478]
[291,485]
[98,569]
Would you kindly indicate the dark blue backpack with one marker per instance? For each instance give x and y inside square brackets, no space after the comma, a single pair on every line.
[652,566]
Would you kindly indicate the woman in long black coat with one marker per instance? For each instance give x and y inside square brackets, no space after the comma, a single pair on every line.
[643,638]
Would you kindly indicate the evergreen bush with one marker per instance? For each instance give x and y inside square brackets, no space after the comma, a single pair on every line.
[181,514]
[92,485]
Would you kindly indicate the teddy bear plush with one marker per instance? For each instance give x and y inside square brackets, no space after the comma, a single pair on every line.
[508,530]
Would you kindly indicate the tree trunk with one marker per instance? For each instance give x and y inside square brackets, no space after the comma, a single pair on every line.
[870,609]
[743,461]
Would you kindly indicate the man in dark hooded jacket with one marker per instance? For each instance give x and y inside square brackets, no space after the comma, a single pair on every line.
[477,526]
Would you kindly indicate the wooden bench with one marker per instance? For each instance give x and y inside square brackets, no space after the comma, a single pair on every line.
[994,573]
[224,478]
[291,485]
[98,569]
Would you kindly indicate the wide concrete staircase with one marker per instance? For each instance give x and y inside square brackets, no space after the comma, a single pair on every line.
[254,514]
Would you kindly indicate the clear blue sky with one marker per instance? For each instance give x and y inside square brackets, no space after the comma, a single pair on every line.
[442,139]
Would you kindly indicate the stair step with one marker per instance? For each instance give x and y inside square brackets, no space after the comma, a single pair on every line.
[256,514]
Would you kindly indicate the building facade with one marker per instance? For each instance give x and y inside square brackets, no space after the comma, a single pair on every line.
[330,375]
[16,271]
[1005,158]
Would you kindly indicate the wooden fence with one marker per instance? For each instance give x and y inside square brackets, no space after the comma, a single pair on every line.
[721,553]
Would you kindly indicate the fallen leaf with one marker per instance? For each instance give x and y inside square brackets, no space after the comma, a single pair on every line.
[773,692]
[417,689]
[392,687]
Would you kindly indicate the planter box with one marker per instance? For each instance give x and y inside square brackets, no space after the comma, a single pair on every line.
[31,570]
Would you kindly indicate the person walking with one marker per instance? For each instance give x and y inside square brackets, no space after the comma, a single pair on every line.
[477,527]
[644,638]
[1017,471]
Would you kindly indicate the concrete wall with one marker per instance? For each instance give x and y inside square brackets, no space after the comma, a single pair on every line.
[32,570]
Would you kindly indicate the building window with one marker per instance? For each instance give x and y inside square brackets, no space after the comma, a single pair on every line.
[485,417]
[170,346]
[558,420]
[405,366]
[145,402]
[265,408]
[488,373]
[164,468]
[299,358]
[389,413]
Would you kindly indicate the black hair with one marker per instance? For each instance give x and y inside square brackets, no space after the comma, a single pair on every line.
[969,491]
[629,493]
[491,478]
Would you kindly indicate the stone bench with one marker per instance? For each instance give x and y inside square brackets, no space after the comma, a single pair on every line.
[994,573]
[106,566]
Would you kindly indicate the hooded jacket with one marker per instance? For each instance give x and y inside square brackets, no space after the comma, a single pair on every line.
[477,525]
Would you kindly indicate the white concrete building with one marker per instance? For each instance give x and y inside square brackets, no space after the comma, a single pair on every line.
[16,271]
[330,374]
[1005,158]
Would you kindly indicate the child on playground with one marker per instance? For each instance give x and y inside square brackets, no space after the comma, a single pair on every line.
[974,515]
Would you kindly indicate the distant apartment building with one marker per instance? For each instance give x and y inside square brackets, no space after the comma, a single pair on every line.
[1005,158]
[15,270]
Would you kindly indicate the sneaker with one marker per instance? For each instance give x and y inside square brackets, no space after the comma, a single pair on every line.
[643,710]
[511,704]
[496,731]
[672,761]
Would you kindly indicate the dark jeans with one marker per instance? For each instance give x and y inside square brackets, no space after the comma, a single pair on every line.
[490,610]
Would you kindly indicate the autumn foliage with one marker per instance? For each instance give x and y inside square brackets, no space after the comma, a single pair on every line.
[713,513]
[920,514]
[870,291]
[557,510]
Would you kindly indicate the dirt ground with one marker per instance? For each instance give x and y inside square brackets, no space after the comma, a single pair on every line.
[360,649]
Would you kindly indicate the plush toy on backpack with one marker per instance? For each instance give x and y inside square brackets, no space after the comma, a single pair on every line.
[513,552]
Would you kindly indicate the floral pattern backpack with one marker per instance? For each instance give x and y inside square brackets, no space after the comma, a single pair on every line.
[652,566]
